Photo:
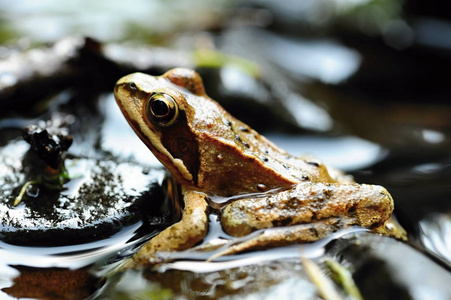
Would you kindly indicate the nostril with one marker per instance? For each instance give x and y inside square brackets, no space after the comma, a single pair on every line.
[132,86]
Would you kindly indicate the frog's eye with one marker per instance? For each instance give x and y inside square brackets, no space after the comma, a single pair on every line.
[162,109]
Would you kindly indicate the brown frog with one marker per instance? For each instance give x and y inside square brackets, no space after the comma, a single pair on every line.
[210,153]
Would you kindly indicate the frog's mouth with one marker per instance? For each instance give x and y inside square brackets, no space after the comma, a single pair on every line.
[175,166]
[170,147]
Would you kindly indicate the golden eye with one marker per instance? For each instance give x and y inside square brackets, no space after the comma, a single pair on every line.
[162,109]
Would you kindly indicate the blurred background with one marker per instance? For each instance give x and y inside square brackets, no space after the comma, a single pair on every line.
[361,84]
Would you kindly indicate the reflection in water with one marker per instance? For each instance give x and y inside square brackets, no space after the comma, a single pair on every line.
[433,137]
[309,115]
[198,260]
[51,284]
[73,256]
[67,265]
[281,279]
[436,235]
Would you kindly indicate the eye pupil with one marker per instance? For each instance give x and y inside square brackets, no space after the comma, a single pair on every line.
[159,108]
[162,110]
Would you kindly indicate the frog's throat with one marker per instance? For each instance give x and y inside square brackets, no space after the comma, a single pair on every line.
[174,165]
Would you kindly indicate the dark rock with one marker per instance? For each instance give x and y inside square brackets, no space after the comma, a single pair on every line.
[385,268]
[101,197]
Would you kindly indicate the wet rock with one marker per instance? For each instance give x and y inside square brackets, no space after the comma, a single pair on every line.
[101,197]
[32,74]
[44,161]
[388,269]
[250,99]
[29,76]
[435,230]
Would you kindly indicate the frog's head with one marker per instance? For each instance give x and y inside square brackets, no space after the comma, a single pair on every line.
[158,110]
[200,143]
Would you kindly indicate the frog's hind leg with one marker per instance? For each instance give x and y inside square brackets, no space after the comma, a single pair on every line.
[305,213]
[282,236]
[190,230]
[308,203]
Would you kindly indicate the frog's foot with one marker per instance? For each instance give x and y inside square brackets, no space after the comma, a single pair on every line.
[190,230]
[282,236]
[393,229]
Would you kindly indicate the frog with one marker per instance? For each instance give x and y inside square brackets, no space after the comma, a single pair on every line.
[287,199]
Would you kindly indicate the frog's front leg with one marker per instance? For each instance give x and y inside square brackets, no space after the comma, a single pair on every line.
[190,230]
[305,213]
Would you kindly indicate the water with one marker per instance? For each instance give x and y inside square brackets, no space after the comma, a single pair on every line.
[203,262]
[71,256]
